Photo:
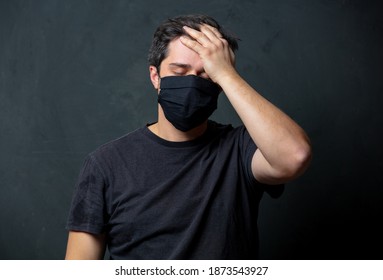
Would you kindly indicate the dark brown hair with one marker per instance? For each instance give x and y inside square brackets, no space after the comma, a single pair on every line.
[172,29]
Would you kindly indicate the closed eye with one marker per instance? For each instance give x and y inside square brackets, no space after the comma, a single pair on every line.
[181,69]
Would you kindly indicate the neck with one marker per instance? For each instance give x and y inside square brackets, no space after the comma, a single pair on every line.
[165,130]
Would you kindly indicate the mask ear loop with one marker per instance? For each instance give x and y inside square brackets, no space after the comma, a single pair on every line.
[159,80]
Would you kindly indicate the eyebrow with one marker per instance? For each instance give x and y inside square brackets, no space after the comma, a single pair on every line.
[182,65]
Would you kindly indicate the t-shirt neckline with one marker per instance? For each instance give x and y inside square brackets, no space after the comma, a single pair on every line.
[183,144]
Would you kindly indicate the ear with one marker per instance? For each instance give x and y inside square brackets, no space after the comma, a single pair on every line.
[154,77]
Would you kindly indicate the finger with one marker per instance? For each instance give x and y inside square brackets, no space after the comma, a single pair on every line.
[212,34]
[232,57]
[191,44]
[197,35]
[213,30]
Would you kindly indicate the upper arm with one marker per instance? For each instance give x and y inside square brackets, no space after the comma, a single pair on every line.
[85,246]
[264,172]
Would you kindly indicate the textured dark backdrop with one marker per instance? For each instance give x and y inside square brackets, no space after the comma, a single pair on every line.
[73,75]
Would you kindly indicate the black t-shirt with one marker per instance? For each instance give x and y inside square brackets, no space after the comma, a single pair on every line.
[157,199]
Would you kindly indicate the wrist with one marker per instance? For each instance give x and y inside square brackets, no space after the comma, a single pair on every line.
[228,78]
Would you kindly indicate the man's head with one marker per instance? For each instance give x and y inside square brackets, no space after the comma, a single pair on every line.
[171,29]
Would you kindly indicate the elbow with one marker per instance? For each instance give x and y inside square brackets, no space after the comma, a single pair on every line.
[303,159]
[297,163]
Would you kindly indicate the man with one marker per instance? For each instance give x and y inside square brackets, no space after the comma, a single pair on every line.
[186,187]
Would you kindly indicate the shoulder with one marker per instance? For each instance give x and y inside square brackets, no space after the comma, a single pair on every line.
[219,129]
[121,141]
[122,145]
[227,131]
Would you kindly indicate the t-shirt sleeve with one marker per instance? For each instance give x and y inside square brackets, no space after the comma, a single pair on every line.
[87,211]
[248,150]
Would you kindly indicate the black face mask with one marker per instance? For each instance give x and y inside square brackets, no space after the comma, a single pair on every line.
[187,101]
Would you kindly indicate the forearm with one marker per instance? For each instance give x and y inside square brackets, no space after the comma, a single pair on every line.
[282,142]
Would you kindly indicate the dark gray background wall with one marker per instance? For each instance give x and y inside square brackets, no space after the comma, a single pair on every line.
[73,75]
